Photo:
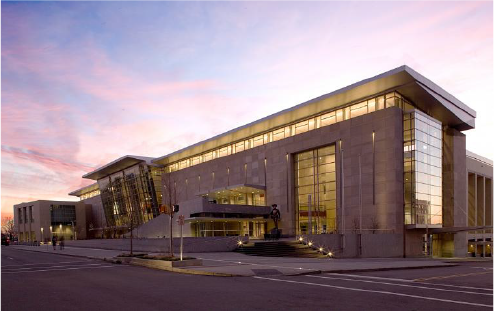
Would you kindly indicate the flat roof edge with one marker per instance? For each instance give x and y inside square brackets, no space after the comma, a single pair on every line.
[92,175]
[313,100]
[463,113]
[440,91]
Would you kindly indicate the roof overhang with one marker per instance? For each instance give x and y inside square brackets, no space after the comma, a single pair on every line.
[459,229]
[117,165]
[83,190]
[424,93]
[422,226]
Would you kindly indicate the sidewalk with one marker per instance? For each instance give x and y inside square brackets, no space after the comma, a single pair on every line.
[237,264]
[240,264]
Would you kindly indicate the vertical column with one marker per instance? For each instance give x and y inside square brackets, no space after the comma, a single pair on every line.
[24,211]
[475,215]
[483,216]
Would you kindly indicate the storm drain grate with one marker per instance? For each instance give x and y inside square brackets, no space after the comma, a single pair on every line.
[266,271]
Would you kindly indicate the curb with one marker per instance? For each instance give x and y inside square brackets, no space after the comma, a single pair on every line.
[388,269]
[115,260]
[187,271]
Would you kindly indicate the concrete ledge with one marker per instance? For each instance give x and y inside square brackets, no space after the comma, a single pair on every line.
[170,266]
[388,268]
[158,264]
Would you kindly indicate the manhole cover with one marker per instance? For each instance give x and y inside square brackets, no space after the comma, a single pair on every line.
[266,271]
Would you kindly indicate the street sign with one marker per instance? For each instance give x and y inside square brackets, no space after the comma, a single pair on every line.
[165,209]
[181,220]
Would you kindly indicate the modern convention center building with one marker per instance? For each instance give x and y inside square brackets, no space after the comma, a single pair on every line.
[378,168]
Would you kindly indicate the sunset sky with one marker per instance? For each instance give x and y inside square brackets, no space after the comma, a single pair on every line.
[84,83]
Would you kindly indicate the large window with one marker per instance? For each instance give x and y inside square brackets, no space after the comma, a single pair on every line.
[423,169]
[134,191]
[315,186]
[62,214]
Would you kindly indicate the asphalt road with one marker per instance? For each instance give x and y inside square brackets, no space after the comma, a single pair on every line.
[39,281]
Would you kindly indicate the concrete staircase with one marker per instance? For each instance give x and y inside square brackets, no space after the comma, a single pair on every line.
[279,249]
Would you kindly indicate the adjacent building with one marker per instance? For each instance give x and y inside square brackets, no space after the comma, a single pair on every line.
[41,220]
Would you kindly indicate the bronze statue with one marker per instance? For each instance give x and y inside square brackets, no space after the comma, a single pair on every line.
[275,215]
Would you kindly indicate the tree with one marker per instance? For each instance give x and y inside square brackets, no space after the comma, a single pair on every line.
[374,224]
[169,199]
[8,226]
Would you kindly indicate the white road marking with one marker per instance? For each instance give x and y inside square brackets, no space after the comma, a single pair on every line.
[257,264]
[370,277]
[408,281]
[11,258]
[42,263]
[482,268]
[403,285]
[47,270]
[378,292]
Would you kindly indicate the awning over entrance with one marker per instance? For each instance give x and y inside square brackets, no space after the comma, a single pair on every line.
[241,188]
[459,229]
[423,226]
[243,194]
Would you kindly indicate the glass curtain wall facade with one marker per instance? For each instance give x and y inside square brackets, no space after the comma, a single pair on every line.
[423,169]
[63,220]
[134,191]
[378,102]
[253,228]
[233,197]
[315,190]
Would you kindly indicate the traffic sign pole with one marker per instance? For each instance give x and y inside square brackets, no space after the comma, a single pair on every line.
[181,241]
[181,221]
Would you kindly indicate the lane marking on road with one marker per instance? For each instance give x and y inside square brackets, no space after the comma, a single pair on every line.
[485,268]
[408,281]
[43,263]
[66,266]
[48,270]
[257,264]
[10,258]
[370,277]
[403,285]
[378,292]
[451,276]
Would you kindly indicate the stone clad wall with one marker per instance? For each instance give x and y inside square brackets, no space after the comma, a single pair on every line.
[382,190]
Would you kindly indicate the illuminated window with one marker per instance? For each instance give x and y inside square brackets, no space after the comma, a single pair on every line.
[328,118]
[358,109]
[302,127]
[195,160]
[278,134]
[223,152]
[258,141]
[239,147]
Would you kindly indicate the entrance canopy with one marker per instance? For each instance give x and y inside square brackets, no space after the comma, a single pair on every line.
[242,194]
[459,229]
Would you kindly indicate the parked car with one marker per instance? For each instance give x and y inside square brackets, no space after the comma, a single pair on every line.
[5,240]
